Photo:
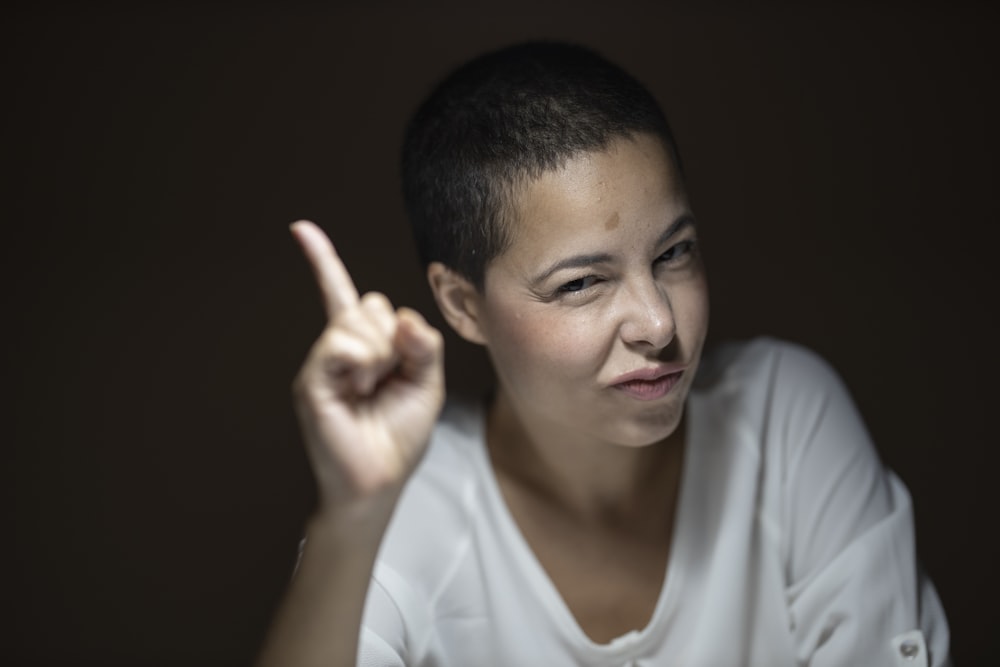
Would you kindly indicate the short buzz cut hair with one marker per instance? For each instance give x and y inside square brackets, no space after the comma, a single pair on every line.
[500,121]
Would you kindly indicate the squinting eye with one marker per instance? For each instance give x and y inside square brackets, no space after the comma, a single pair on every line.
[676,251]
[578,285]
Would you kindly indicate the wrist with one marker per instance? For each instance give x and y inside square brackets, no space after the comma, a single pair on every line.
[353,519]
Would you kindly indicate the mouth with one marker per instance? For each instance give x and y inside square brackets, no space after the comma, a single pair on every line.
[648,384]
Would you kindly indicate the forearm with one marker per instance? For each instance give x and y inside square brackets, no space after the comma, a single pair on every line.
[367,397]
[319,621]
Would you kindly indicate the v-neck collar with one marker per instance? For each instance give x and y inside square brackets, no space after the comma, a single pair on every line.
[635,642]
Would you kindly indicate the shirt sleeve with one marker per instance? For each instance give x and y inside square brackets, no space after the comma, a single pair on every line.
[383,631]
[396,624]
[855,592]
[373,651]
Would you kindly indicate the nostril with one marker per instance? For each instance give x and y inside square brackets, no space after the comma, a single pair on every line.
[651,322]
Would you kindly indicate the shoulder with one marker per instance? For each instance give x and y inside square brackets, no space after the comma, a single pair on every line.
[787,405]
[760,362]
[767,377]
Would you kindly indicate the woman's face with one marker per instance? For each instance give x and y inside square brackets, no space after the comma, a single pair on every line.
[596,315]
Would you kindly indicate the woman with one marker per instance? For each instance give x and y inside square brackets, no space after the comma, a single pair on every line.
[618,500]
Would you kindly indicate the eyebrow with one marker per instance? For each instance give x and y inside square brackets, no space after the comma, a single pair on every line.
[581,261]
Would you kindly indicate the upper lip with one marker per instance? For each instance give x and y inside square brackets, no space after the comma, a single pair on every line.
[648,374]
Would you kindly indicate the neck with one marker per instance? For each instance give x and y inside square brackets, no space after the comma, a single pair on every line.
[594,482]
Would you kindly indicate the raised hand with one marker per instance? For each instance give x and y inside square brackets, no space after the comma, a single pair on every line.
[371,387]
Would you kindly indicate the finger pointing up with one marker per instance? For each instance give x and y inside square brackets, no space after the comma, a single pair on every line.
[335,284]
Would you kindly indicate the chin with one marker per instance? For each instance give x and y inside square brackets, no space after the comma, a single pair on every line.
[639,433]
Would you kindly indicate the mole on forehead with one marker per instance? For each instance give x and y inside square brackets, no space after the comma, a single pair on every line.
[612,222]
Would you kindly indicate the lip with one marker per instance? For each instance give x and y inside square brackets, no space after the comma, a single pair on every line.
[648,374]
[648,384]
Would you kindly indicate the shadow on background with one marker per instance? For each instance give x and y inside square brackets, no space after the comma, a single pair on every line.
[842,163]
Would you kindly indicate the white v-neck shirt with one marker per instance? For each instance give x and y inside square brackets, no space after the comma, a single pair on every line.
[792,544]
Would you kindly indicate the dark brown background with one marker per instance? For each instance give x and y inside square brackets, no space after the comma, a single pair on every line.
[843,163]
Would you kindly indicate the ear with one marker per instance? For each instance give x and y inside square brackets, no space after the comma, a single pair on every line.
[458,300]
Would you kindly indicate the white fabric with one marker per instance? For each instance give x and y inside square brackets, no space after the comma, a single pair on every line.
[792,545]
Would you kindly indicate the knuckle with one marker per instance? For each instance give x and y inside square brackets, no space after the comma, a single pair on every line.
[379,312]
[376,300]
[347,317]
[436,338]
[331,340]
[361,334]
[354,348]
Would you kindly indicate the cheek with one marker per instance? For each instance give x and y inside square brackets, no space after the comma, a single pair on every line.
[692,310]
[550,344]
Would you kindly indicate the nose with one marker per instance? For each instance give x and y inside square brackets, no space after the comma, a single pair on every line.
[648,318]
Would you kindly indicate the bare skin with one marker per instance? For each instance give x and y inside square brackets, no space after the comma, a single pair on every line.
[367,398]
[588,464]
[570,306]
[590,473]
[606,555]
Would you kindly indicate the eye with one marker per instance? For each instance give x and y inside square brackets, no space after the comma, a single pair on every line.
[676,251]
[578,285]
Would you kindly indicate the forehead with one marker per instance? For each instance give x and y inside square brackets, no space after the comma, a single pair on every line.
[633,185]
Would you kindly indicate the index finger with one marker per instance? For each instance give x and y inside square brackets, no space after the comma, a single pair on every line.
[335,282]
